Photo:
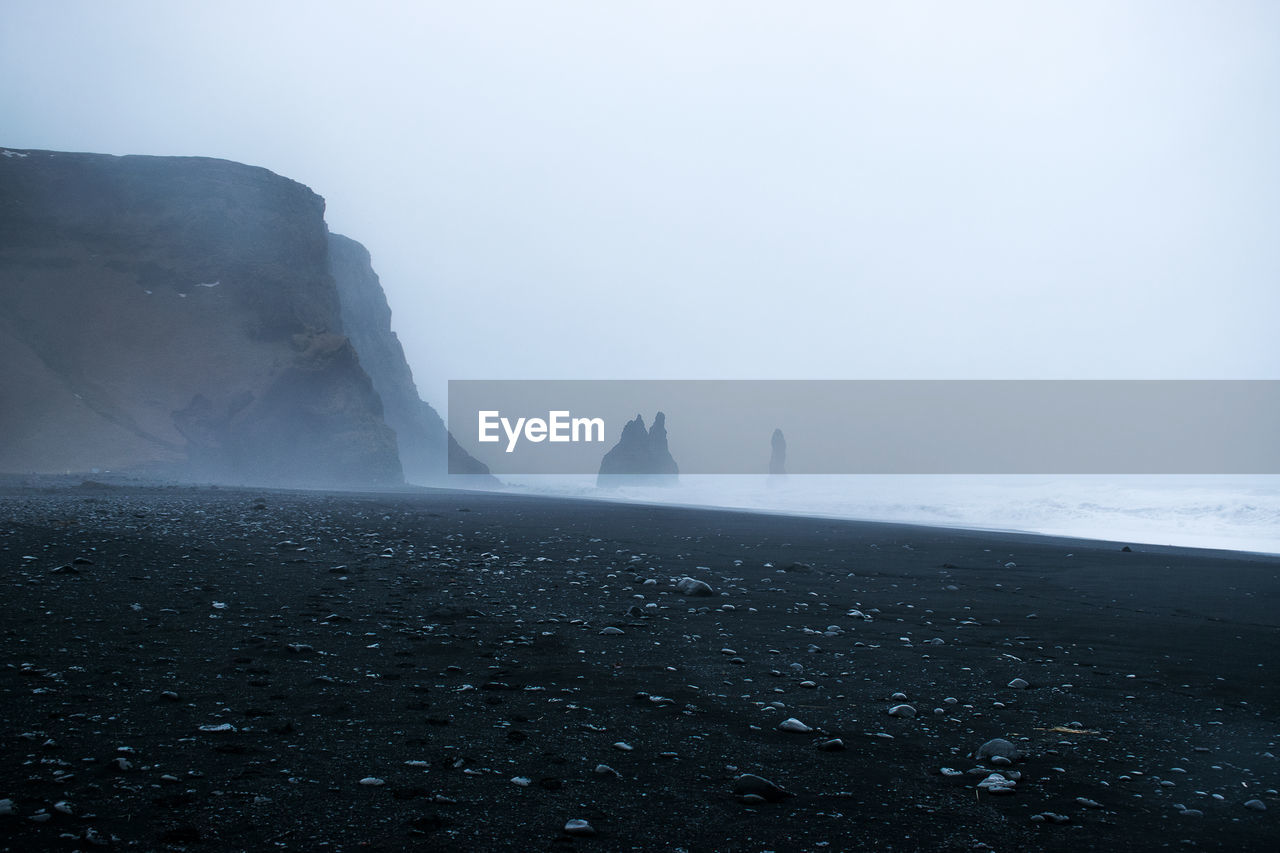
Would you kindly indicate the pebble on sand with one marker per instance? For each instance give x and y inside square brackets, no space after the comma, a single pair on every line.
[791,724]
[997,746]
[752,788]
[579,827]
[693,586]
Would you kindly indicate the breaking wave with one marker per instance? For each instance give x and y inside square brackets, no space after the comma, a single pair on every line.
[1240,513]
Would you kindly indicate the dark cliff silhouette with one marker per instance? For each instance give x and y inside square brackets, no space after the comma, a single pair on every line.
[180,317]
[427,451]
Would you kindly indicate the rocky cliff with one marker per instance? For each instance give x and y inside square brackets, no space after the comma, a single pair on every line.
[177,316]
[427,451]
[640,457]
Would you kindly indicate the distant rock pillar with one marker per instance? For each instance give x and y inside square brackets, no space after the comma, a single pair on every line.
[778,458]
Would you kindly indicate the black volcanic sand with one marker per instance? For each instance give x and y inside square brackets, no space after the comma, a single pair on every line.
[208,669]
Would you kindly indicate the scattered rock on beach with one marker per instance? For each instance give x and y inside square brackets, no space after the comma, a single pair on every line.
[997,783]
[579,827]
[997,747]
[692,586]
[791,724]
[752,788]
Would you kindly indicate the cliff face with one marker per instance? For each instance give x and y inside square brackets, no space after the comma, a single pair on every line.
[178,316]
[427,451]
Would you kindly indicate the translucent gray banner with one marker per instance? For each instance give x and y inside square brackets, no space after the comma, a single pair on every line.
[874,426]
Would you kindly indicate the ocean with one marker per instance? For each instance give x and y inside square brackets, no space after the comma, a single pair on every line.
[1238,513]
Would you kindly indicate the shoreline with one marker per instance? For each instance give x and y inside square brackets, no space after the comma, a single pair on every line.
[1147,539]
[1208,542]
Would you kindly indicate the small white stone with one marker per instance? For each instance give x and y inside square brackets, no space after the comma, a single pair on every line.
[791,724]
[579,827]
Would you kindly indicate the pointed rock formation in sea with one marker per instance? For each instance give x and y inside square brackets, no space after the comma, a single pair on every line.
[778,458]
[640,457]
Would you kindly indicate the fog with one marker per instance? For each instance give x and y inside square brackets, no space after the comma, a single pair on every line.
[879,426]
[732,190]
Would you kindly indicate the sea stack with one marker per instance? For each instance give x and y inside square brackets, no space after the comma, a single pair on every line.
[778,456]
[640,457]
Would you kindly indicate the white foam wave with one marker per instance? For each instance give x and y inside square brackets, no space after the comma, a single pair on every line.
[1232,512]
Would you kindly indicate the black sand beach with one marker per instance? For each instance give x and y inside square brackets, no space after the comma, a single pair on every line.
[210,669]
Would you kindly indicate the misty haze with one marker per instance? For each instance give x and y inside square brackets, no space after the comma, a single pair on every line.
[689,426]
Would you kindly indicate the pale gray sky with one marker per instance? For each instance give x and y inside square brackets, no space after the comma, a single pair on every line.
[732,190]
